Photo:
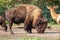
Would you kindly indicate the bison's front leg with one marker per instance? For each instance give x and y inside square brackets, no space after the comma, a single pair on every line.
[10,27]
[27,26]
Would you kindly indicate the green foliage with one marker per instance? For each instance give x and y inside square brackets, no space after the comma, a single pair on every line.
[7,4]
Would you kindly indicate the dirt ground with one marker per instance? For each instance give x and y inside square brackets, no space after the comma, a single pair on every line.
[19,32]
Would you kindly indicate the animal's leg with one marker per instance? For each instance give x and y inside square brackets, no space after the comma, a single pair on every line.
[34,21]
[4,27]
[28,28]
[26,24]
[58,20]
[10,27]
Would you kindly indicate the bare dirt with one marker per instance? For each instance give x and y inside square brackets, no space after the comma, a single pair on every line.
[19,32]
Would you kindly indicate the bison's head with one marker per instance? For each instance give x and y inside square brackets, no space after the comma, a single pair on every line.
[41,25]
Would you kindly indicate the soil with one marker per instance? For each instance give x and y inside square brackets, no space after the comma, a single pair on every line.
[19,32]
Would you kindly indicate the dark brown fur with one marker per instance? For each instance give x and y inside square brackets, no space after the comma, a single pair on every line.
[41,25]
[26,13]
[2,23]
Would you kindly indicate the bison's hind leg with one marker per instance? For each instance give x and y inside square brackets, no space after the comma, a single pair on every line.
[10,26]
[4,27]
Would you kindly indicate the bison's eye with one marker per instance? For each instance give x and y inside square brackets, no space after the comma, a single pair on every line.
[39,22]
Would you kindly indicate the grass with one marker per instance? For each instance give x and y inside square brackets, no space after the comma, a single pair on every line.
[29,38]
[54,25]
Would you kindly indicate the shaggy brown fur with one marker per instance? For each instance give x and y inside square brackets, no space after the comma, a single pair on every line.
[29,14]
[41,25]
[2,23]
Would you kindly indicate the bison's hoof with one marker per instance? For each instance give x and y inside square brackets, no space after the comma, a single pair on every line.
[41,32]
[12,32]
[25,29]
[5,30]
[29,31]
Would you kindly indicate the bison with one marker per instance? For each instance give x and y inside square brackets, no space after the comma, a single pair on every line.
[3,23]
[27,14]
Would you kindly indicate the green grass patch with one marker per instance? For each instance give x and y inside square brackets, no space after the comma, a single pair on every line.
[29,38]
[22,38]
[54,25]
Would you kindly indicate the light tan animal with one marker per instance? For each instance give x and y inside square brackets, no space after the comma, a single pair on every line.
[54,15]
